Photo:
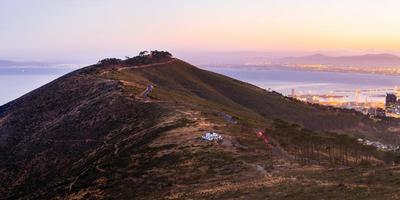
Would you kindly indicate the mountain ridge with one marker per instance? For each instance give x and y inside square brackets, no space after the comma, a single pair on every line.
[95,133]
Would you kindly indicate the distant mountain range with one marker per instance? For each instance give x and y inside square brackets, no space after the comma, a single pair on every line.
[9,63]
[4,63]
[37,66]
[367,60]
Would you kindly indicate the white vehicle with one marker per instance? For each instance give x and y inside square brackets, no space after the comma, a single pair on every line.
[211,136]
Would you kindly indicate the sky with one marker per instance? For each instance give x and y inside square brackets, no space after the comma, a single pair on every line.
[86,30]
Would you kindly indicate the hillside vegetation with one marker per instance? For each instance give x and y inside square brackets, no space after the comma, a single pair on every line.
[131,129]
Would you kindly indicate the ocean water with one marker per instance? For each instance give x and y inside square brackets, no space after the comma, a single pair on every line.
[371,86]
[16,82]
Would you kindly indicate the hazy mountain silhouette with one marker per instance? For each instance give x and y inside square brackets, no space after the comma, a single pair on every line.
[9,63]
[375,60]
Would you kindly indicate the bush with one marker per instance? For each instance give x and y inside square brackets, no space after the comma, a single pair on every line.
[146,57]
[160,54]
[110,61]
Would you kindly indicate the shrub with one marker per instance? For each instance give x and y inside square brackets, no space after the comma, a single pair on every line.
[110,61]
[146,57]
[160,54]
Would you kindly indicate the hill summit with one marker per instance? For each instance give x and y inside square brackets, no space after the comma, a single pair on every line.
[132,129]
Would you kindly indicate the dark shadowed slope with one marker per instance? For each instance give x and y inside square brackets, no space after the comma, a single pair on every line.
[92,135]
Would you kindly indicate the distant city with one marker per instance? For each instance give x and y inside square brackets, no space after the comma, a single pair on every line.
[376,103]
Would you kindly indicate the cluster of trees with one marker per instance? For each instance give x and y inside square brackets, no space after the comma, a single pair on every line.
[155,54]
[110,61]
[160,54]
[309,147]
[331,152]
[144,57]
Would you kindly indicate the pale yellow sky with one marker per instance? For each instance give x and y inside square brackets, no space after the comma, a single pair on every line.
[86,28]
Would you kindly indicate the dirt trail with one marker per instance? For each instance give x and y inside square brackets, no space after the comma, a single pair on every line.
[144,66]
[135,67]
[76,179]
[147,91]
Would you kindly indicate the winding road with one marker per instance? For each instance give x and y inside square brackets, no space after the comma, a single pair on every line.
[144,66]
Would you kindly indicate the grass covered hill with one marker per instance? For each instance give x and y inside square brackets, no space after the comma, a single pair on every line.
[130,129]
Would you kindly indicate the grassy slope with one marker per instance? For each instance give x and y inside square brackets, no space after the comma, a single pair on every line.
[91,135]
[182,82]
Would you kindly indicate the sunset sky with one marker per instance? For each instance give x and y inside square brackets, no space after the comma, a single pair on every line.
[91,29]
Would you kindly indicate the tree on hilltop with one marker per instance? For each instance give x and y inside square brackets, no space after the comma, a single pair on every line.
[143,53]
[110,61]
[160,54]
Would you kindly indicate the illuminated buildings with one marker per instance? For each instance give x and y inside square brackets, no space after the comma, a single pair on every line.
[392,105]
[391,99]
[378,103]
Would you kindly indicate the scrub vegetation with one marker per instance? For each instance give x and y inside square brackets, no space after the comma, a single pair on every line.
[93,135]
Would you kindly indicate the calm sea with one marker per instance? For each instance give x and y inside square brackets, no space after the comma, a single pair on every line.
[371,86]
[17,82]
